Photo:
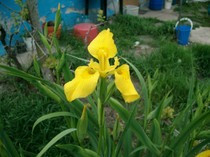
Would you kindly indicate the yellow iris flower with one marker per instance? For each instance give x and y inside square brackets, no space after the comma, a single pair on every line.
[204,154]
[86,78]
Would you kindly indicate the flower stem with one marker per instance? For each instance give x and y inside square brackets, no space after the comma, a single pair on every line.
[101,124]
[101,98]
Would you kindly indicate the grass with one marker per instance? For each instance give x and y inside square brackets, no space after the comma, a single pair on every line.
[202,55]
[175,68]
[19,110]
[200,16]
[127,28]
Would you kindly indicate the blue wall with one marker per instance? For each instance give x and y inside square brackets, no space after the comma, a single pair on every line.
[72,12]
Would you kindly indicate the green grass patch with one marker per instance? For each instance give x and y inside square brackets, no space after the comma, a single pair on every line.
[197,12]
[202,55]
[21,105]
[127,28]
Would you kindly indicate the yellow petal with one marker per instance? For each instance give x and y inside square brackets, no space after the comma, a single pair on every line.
[94,65]
[204,154]
[124,84]
[106,71]
[83,84]
[116,64]
[103,43]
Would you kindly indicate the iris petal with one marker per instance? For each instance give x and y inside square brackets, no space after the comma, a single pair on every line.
[103,43]
[108,70]
[124,84]
[204,154]
[83,84]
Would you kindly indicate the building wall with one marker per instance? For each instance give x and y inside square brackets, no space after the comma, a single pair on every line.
[72,12]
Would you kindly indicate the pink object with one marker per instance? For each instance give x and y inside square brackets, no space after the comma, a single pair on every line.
[86,31]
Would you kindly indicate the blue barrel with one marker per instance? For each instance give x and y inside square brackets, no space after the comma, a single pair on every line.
[183,34]
[156,4]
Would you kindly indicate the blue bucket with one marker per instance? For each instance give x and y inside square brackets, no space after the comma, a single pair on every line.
[183,31]
[156,4]
[183,34]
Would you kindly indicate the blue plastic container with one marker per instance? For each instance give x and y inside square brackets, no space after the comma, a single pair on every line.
[209,9]
[183,34]
[156,4]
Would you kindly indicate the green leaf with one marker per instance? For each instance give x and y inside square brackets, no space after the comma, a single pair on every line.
[200,105]
[125,134]
[203,135]
[135,126]
[45,42]
[61,63]
[151,85]
[82,125]
[110,90]
[127,143]
[51,89]
[26,153]
[3,152]
[116,128]
[198,148]
[19,73]
[52,115]
[69,56]
[9,147]
[36,67]
[47,91]
[94,109]
[157,112]
[165,102]
[147,104]
[55,139]
[102,89]
[45,30]
[57,19]
[156,135]
[78,151]
[184,117]
[137,149]
[197,122]
[77,107]
[68,75]
[109,143]
[56,44]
